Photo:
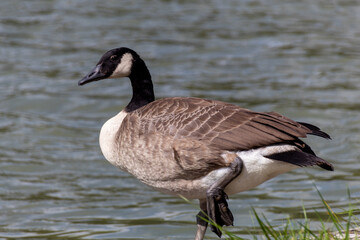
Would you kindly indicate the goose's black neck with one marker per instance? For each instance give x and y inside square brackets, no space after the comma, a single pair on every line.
[142,86]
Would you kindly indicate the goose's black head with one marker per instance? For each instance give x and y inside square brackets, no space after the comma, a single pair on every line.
[115,63]
[124,62]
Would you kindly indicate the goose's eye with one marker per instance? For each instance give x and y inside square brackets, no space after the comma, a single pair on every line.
[113,58]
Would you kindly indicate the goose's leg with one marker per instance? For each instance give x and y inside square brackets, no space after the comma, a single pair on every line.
[201,223]
[217,206]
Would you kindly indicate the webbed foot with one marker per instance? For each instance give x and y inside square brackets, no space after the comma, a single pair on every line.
[218,210]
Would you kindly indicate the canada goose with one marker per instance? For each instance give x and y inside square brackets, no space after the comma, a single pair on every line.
[197,148]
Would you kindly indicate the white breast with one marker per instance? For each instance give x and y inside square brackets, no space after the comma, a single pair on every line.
[107,137]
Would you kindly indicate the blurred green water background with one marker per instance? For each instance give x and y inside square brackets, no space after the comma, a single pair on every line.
[299,58]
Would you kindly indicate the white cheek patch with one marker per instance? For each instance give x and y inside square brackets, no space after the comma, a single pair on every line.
[124,67]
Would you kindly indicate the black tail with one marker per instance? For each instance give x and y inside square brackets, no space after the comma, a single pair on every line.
[301,159]
[315,130]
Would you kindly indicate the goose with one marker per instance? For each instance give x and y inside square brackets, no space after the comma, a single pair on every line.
[197,148]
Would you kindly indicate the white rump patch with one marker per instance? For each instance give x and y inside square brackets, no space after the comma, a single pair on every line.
[124,67]
[257,168]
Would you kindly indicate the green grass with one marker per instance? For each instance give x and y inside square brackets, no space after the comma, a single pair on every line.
[333,226]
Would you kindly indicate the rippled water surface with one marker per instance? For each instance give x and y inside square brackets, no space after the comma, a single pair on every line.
[299,58]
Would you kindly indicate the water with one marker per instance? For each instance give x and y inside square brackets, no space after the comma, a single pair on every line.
[299,58]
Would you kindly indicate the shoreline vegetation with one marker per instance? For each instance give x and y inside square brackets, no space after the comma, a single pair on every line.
[343,225]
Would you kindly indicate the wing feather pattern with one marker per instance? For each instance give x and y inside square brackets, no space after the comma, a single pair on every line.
[224,126]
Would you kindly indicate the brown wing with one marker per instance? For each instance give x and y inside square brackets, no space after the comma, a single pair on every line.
[224,126]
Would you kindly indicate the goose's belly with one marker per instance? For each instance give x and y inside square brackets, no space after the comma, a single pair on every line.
[256,170]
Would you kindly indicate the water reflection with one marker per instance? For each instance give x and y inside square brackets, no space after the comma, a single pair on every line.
[296,58]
